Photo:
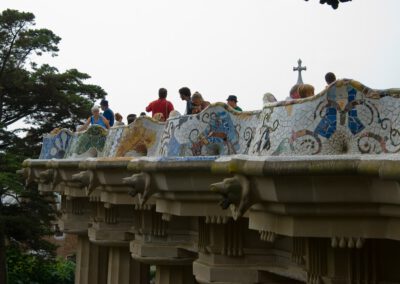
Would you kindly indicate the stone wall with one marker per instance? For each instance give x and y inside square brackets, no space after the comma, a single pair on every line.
[302,191]
[346,118]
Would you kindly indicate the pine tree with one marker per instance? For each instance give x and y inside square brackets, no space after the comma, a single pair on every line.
[43,98]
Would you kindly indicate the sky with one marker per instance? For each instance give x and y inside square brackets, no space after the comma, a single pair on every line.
[219,47]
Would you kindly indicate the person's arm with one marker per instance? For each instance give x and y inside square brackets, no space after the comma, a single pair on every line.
[189,107]
[112,119]
[85,126]
[170,107]
[105,120]
[204,105]
[149,108]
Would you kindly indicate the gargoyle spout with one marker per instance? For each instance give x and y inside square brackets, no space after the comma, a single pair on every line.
[46,176]
[235,192]
[137,182]
[82,177]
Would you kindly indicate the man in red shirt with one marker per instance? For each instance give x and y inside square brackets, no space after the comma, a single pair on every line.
[161,105]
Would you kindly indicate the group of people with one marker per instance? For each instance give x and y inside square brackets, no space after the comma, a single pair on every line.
[162,108]
[195,103]
[301,91]
[107,119]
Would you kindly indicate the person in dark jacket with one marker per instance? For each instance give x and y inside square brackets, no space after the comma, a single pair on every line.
[107,112]
[186,95]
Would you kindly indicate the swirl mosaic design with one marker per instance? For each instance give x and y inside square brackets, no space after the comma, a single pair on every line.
[215,131]
[346,118]
[55,144]
[87,143]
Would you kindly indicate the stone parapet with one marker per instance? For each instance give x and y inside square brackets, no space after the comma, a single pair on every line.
[302,191]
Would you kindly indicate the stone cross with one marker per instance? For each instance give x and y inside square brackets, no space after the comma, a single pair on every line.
[299,68]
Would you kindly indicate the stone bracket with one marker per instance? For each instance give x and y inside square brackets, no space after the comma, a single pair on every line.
[236,195]
[46,176]
[141,186]
[87,179]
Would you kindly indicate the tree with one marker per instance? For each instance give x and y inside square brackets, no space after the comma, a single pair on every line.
[23,268]
[333,3]
[43,98]
[40,95]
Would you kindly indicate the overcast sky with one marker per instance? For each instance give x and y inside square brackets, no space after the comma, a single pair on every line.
[219,47]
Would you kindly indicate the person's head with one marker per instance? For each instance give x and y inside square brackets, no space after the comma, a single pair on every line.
[162,93]
[306,90]
[118,117]
[131,118]
[95,110]
[185,93]
[294,92]
[269,98]
[232,101]
[330,78]
[197,99]
[142,114]
[104,104]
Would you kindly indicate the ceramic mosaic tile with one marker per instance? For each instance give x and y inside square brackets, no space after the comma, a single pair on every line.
[140,138]
[55,144]
[87,143]
[346,118]
[218,130]
[112,142]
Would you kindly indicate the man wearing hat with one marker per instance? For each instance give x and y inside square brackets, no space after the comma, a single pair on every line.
[107,112]
[232,102]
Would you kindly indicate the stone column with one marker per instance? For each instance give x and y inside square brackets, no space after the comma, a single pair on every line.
[91,263]
[122,269]
[174,274]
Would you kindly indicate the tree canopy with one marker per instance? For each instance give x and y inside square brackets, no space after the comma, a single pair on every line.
[333,3]
[43,98]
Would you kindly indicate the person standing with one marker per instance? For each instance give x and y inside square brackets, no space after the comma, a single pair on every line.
[232,102]
[107,112]
[186,95]
[161,105]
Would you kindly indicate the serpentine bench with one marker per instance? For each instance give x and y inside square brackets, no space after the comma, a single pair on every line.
[239,197]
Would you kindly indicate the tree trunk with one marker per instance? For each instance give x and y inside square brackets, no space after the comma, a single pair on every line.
[3,263]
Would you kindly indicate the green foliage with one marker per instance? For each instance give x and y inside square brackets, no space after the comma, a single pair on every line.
[40,95]
[44,98]
[26,268]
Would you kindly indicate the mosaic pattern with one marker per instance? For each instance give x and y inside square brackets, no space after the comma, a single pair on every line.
[346,118]
[55,144]
[140,138]
[88,143]
[216,131]
[137,139]
[112,142]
